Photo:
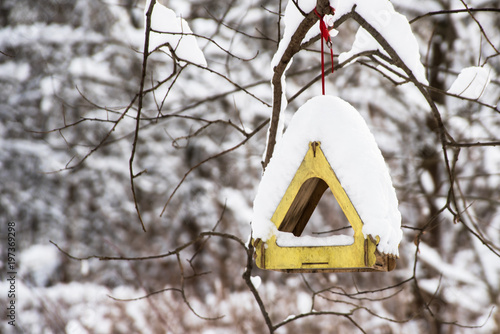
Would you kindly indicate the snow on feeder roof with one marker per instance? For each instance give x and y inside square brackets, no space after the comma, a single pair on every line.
[327,145]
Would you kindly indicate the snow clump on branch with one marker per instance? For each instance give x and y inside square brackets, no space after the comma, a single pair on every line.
[166,27]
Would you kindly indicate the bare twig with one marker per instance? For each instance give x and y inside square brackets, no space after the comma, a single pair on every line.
[176,251]
[149,13]
[453,11]
[480,26]
[248,136]
[247,278]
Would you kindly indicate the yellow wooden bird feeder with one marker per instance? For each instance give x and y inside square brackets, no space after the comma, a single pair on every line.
[314,176]
[327,145]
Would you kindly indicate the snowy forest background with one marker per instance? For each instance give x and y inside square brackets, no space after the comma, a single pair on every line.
[70,77]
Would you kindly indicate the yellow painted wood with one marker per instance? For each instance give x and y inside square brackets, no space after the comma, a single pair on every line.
[360,256]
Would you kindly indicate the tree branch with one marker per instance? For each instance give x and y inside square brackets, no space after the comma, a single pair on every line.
[145,55]
[453,11]
[323,7]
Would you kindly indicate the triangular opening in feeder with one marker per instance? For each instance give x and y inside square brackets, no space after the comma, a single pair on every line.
[328,219]
[308,212]
[338,253]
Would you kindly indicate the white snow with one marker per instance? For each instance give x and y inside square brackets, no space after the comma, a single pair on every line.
[471,82]
[285,239]
[18,35]
[380,14]
[92,68]
[39,262]
[256,281]
[432,258]
[176,32]
[304,302]
[10,71]
[84,268]
[393,26]
[292,19]
[351,150]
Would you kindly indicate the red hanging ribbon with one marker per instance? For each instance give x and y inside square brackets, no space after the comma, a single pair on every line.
[325,35]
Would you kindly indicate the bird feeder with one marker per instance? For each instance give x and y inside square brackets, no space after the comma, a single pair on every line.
[313,177]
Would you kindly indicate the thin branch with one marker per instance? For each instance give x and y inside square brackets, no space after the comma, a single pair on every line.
[6,54]
[296,3]
[215,97]
[444,136]
[280,3]
[476,101]
[476,144]
[355,323]
[204,127]
[453,11]
[480,26]
[145,296]
[100,144]
[183,293]
[312,313]
[334,230]
[208,39]
[145,55]
[205,241]
[153,257]
[250,135]
[247,278]
[240,87]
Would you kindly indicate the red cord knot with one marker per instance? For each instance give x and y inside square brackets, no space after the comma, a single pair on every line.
[325,32]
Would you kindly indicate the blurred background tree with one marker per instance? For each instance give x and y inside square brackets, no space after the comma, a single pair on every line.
[69,95]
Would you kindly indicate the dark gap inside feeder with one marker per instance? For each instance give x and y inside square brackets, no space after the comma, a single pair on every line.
[304,205]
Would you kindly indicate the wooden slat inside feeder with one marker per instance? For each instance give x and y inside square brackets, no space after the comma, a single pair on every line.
[303,206]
